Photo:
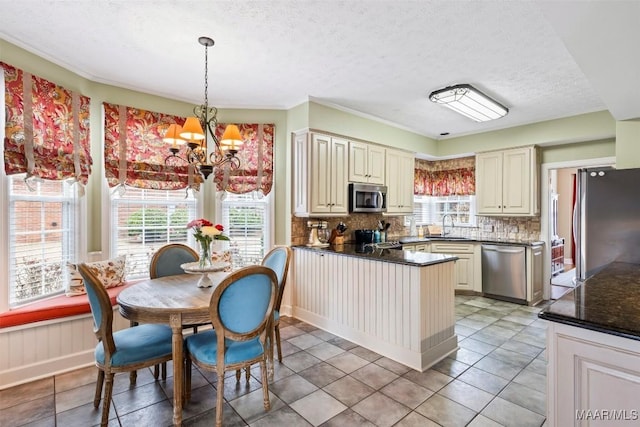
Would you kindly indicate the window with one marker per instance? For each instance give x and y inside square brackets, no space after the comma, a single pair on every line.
[143,220]
[246,219]
[42,237]
[430,209]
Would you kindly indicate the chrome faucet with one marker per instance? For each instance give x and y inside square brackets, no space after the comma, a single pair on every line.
[444,227]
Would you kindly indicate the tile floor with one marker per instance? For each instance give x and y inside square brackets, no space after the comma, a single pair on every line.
[496,378]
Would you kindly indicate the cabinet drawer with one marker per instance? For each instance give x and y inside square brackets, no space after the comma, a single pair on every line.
[419,247]
[452,248]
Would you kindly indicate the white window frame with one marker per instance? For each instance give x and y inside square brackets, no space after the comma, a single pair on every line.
[109,243]
[74,253]
[431,217]
[269,219]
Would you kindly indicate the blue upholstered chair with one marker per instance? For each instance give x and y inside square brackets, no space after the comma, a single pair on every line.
[241,311]
[166,261]
[278,260]
[122,351]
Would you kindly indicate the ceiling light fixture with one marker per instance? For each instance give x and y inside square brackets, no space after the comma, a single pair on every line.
[195,132]
[470,102]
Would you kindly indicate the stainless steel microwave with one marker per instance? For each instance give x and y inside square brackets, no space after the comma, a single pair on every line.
[367,198]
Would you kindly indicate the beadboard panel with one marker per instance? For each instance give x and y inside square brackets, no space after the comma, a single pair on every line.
[42,349]
[401,311]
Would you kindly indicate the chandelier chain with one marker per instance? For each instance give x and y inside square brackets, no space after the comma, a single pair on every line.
[206,78]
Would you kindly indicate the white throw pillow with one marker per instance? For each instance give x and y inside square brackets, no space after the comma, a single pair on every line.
[75,286]
[110,272]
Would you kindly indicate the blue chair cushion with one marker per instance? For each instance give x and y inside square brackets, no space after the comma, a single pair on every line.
[138,344]
[203,346]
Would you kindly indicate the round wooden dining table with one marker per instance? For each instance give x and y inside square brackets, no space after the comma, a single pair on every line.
[176,301]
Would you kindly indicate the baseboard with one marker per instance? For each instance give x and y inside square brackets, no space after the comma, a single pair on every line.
[46,369]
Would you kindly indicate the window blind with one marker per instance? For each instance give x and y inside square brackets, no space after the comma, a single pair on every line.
[143,220]
[245,218]
[42,237]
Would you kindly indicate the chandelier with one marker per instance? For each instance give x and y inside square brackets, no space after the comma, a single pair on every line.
[197,130]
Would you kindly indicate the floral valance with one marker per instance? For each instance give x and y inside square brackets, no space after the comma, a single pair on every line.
[134,153]
[256,161]
[46,129]
[455,182]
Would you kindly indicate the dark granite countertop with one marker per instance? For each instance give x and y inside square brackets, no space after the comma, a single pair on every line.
[408,240]
[414,258]
[608,302]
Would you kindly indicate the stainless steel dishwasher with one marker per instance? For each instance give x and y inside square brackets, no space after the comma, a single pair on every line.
[504,272]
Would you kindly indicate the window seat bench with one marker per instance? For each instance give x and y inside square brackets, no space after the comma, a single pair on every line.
[55,308]
[50,337]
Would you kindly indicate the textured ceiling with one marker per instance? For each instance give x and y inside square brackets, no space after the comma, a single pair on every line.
[378,58]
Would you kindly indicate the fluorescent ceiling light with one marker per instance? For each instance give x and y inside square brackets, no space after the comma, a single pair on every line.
[470,102]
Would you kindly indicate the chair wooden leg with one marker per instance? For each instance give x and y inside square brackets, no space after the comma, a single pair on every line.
[156,371]
[238,374]
[195,329]
[106,402]
[133,377]
[164,371]
[277,341]
[246,373]
[99,383]
[219,398]
[265,385]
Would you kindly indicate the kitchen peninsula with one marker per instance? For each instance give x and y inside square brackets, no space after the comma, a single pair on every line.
[397,303]
[593,350]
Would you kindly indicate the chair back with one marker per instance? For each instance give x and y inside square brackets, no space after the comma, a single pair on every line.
[241,306]
[166,261]
[101,309]
[278,260]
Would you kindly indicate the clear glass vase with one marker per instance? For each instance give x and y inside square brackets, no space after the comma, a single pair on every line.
[205,254]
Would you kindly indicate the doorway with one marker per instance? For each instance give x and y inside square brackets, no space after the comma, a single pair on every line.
[556,222]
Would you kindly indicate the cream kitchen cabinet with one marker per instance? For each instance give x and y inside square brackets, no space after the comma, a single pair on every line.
[468,275]
[535,282]
[320,175]
[366,163]
[399,182]
[593,378]
[418,247]
[507,182]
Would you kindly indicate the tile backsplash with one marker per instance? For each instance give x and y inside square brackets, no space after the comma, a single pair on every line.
[526,229]
[300,231]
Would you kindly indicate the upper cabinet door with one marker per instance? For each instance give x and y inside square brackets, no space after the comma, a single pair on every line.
[320,173]
[376,163]
[366,163]
[507,182]
[516,183]
[399,180]
[338,176]
[358,159]
[489,182]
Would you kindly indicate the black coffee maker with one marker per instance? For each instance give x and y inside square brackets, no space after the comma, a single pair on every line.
[363,237]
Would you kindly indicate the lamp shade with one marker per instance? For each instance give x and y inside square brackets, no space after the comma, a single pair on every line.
[231,137]
[172,135]
[192,129]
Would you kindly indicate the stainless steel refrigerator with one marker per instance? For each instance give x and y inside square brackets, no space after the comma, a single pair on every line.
[606,219]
